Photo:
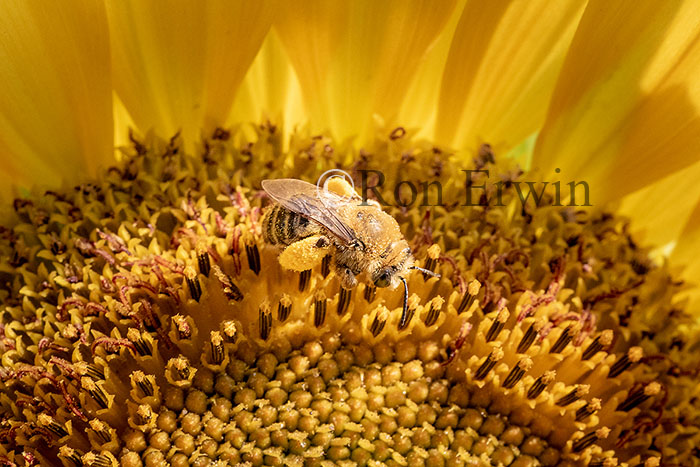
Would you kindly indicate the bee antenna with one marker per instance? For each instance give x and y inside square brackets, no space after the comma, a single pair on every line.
[425,271]
[405,296]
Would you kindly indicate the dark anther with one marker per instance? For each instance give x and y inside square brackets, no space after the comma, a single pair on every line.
[563,341]
[625,361]
[283,309]
[432,316]
[229,289]
[467,300]
[217,348]
[326,265]
[377,325]
[319,312]
[195,287]
[587,410]
[514,376]
[497,326]
[265,323]
[304,278]
[528,339]
[253,255]
[582,443]
[343,300]
[488,364]
[599,343]
[539,385]
[570,398]
[204,263]
[370,293]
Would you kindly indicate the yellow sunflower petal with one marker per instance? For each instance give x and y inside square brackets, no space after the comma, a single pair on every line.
[355,59]
[55,106]
[419,106]
[178,64]
[122,123]
[685,254]
[623,116]
[657,210]
[270,90]
[501,70]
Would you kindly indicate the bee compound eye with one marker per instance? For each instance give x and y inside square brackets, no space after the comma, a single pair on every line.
[383,280]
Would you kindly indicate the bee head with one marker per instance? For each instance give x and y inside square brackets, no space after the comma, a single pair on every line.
[383,277]
[394,267]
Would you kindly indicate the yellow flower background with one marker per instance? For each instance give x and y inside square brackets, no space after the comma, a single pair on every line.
[607,92]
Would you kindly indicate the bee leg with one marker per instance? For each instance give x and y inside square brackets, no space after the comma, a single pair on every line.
[305,254]
[347,277]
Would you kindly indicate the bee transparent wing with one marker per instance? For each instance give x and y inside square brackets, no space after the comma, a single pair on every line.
[311,201]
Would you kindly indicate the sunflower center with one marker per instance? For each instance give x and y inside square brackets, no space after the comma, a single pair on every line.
[147,321]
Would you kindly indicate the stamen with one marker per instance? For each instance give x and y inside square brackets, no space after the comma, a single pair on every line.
[469,296]
[633,355]
[410,310]
[434,311]
[182,327]
[253,255]
[230,331]
[50,424]
[541,383]
[230,290]
[433,255]
[71,455]
[370,293]
[304,277]
[488,364]
[380,317]
[216,346]
[574,395]
[193,283]
[139,344]
[141,381]
[264,320]
[590,439]
[453,347]
[319,309]
[344,297]
[639,396]
[84,368]
[498,323]
[530,336]
[587,410]
[95,391]
[91,459]
[564,338]
[203,260]
[181,367]
[517,372]
[599,343]
[284,308]
[101,430]
[144,414]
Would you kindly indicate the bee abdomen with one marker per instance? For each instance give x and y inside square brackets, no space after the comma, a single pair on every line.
[283,227]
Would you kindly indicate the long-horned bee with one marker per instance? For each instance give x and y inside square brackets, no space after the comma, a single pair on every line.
[310,222]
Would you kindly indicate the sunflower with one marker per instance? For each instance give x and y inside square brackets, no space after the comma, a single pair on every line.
[539,157]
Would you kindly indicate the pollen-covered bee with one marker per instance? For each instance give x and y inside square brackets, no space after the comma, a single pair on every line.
[311,222]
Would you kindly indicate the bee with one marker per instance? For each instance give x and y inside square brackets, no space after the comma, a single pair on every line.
[310,222]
